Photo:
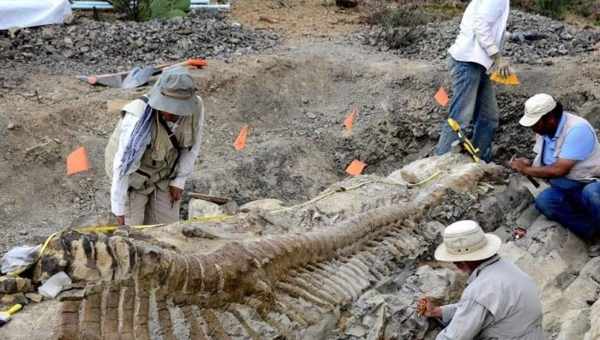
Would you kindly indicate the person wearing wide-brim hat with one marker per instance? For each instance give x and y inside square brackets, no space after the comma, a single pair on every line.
[568,156]
[153,150]
[499,302]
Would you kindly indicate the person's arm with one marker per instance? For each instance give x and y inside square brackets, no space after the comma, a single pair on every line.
[468,321]
[485,17]
[559,169]
[187,159]
[578,146]
[447,312]
[119,185]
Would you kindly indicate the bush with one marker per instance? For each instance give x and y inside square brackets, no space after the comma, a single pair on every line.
[551,8]
[410,14]
[141,10]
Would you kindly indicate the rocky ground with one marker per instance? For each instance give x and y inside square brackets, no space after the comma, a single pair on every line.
[533,39]
[96,46]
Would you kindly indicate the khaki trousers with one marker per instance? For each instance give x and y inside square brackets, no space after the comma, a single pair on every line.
[152,208]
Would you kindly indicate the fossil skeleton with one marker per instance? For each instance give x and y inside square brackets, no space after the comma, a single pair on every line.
[136,289]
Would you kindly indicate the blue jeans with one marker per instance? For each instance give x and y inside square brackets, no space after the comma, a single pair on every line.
[474,101]
[575,205]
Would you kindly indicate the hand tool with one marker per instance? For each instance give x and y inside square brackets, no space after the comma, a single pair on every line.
[6,315]
[137,76]
[466,143]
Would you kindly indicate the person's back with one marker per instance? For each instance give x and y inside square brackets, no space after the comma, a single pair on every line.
[512,299]
[499,302]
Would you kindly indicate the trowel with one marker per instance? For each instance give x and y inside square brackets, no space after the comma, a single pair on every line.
[137,76]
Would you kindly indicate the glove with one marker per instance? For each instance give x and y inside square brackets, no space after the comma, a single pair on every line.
[501,66]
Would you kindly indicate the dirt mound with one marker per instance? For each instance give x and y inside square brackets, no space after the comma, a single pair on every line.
[532,38]
[89,45]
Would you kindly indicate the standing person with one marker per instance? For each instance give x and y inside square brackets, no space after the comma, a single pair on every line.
[475,52]
[499,302]
[153,150]
[568,155]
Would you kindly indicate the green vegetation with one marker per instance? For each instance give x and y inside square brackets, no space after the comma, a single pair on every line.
[142,10]
[551,8]
[588,9]
[411,15]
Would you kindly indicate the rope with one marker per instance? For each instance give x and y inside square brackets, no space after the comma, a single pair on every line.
[331,192]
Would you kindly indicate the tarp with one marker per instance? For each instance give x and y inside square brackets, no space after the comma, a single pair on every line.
[28,13]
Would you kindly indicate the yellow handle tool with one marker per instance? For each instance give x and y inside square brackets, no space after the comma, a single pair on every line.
[466,143]
[5,316]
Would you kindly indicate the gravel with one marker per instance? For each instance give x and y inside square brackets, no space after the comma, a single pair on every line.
[92,45]
[531,38]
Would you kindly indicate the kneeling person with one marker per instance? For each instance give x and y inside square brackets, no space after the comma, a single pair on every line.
[568,155]
[500,301]
[155,147]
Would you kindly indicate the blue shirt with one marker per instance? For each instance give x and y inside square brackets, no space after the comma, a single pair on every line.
[578,145]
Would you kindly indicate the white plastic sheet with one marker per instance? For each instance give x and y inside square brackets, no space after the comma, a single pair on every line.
[28,13]
[18,258]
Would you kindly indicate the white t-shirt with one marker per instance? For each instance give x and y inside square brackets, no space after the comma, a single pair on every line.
[481,31]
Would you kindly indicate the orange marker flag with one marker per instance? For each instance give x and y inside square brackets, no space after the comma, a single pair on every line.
[77,161]
[349,121]
[441,97]
[355,168]
[240,141]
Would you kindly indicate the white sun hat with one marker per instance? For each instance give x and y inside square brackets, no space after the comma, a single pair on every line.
[465,241]
[536,107]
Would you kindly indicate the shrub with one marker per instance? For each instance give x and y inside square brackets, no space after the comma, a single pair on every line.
[141,10]
[551,8]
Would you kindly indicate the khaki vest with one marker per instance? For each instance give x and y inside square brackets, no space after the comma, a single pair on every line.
[158,163]
[585,170]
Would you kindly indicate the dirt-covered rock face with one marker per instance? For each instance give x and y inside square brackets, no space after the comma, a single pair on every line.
[532,39]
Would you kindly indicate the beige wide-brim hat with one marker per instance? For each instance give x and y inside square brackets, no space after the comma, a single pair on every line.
[175,92]
[465,241]
[536,107]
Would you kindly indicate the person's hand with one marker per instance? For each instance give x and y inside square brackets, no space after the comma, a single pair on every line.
[175,193]
[426,308]
[121,220]
[520,164]
[501,65]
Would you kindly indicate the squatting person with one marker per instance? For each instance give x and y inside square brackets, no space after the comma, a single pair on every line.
[475,52]
[568,155]
[499,302]
[155,147]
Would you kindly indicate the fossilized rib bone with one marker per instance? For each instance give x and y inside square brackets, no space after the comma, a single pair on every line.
[272,275]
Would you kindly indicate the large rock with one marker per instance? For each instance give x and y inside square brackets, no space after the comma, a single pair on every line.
[557,260]
[11,285]
[394,301]
[200,208]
